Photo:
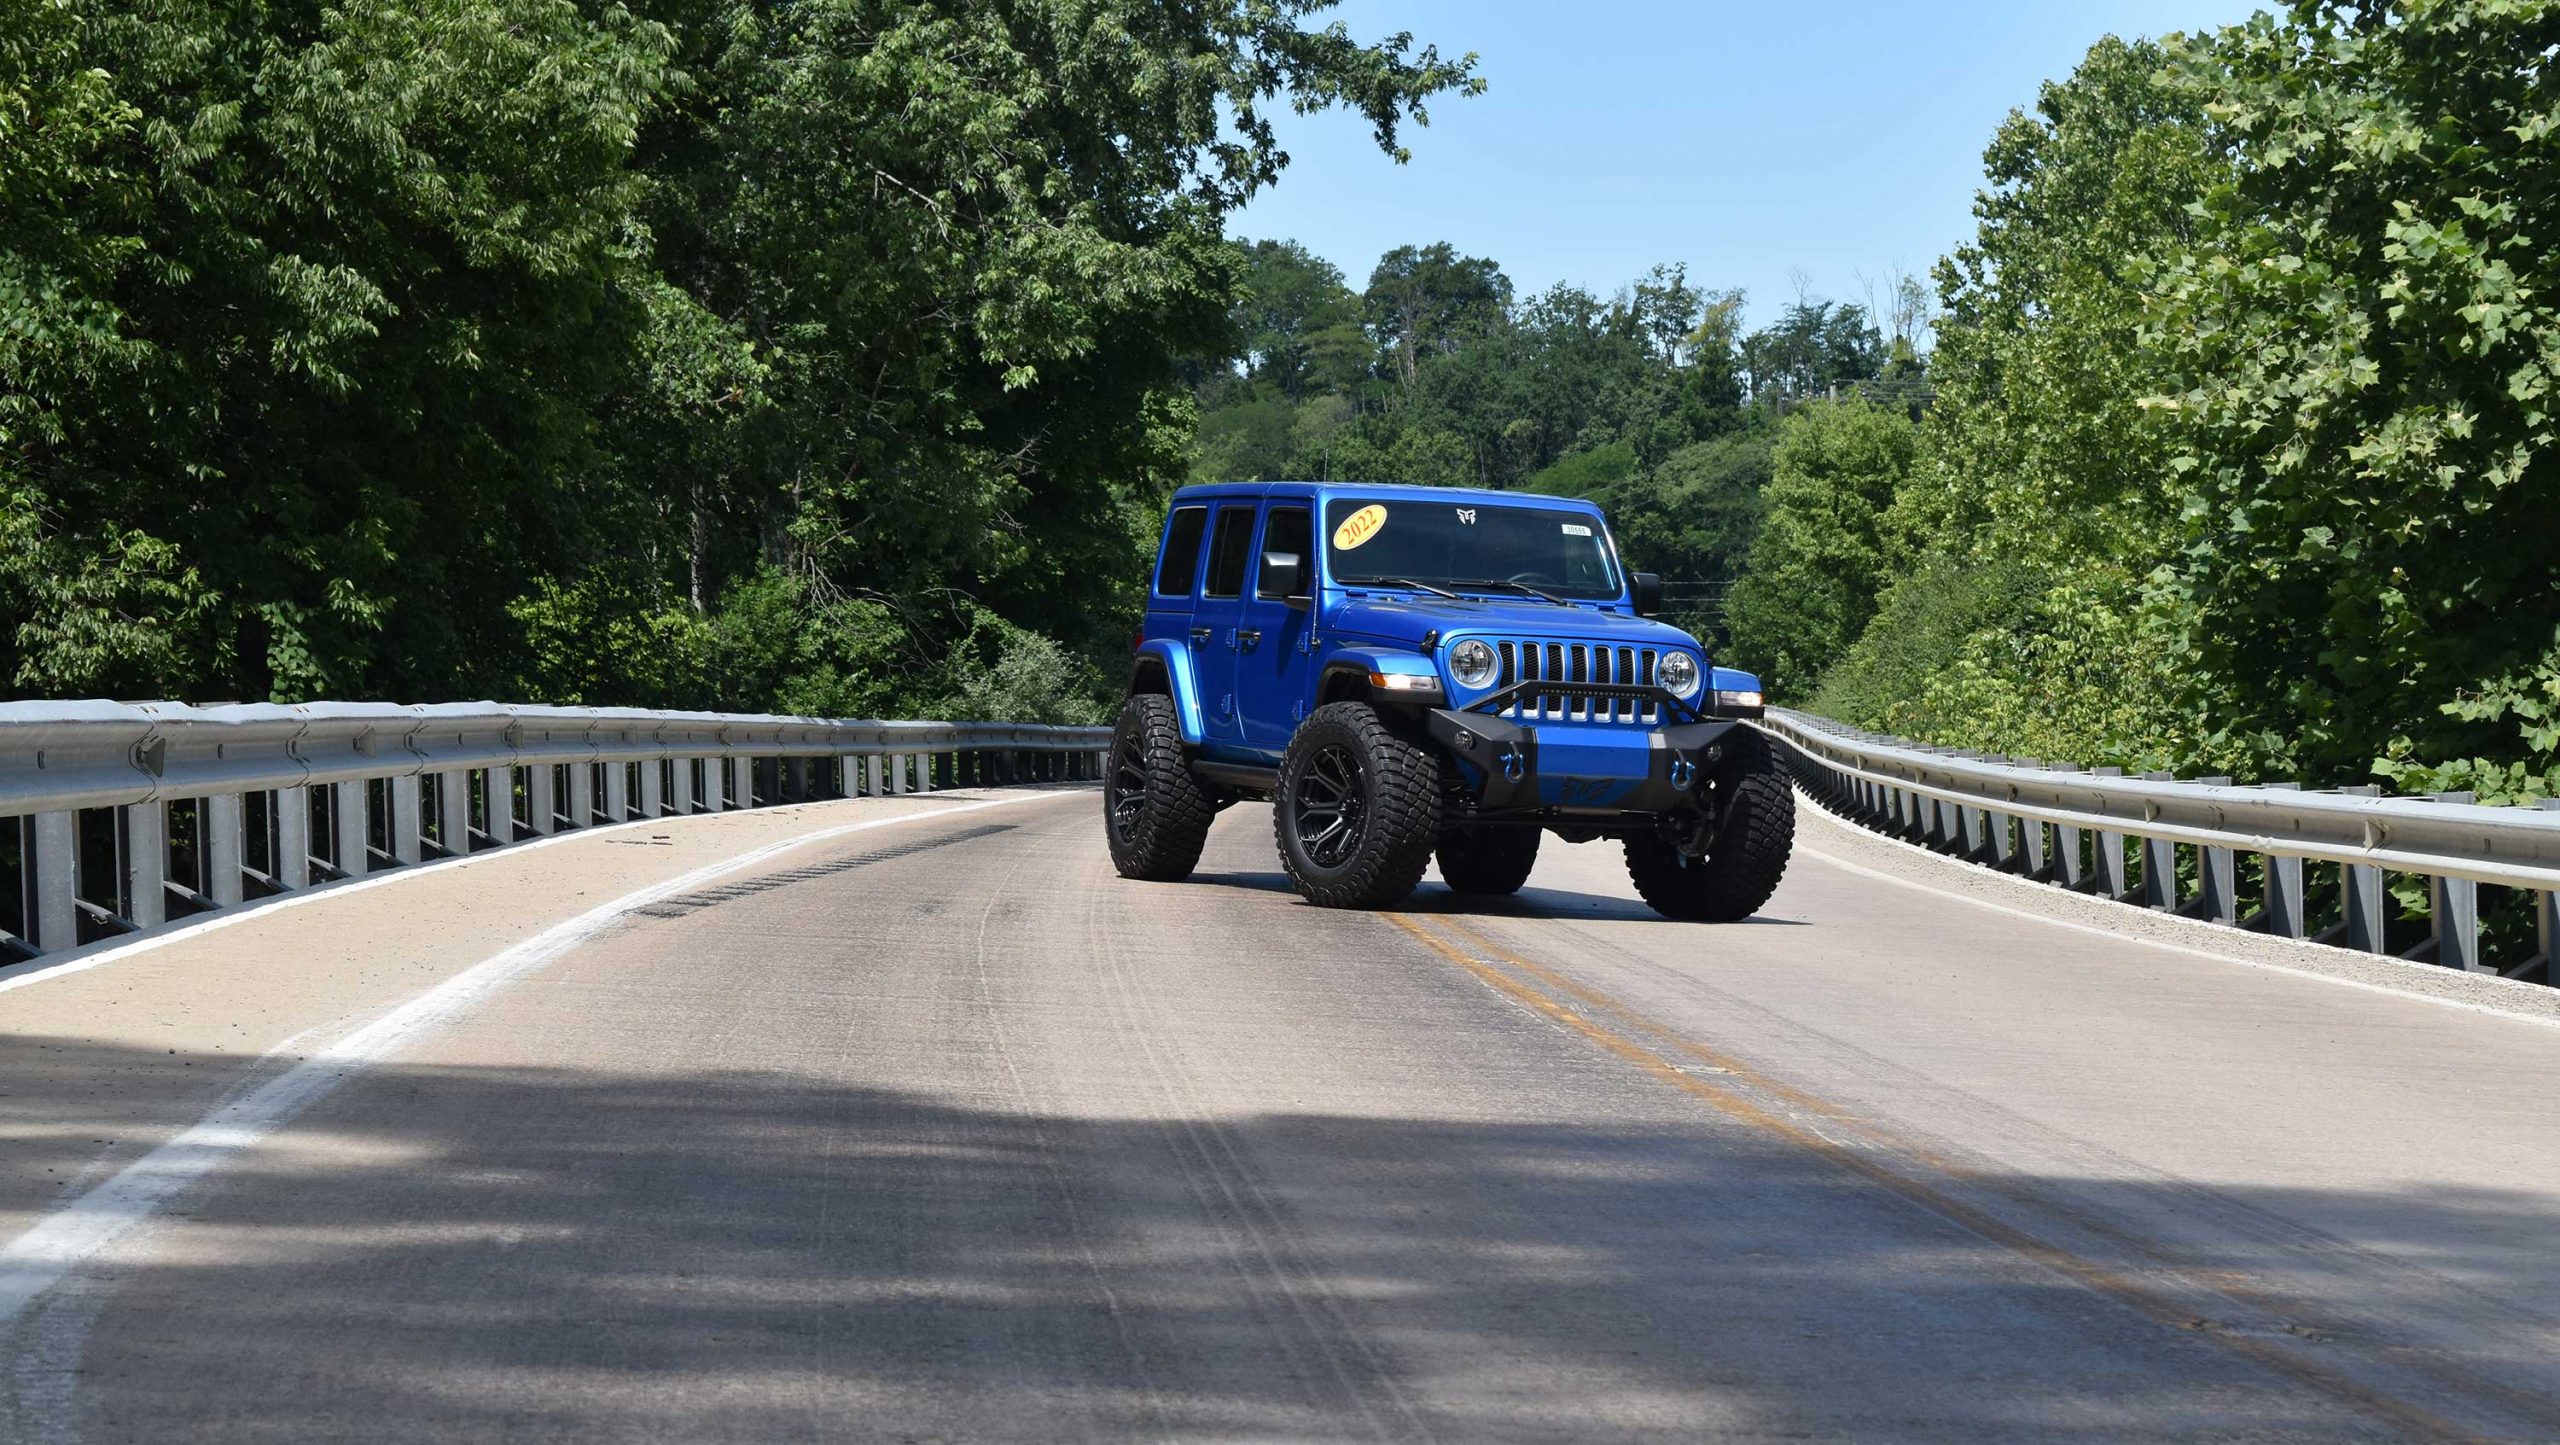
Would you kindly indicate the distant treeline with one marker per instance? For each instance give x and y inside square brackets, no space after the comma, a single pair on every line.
[1655,401]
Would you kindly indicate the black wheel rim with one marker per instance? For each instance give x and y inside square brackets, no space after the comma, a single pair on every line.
[1327,808]
[1128,786]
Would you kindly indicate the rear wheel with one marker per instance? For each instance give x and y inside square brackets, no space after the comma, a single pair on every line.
[1729,873]
[1488,860]
[1356,811]
[1154,812]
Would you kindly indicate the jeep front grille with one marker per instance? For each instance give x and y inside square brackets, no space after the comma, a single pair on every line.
[1524,660]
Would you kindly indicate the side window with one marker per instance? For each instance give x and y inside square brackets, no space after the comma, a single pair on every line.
[1181,560]
[1291,529]
[1228,552]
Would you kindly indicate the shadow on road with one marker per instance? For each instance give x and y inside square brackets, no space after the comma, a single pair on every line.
[477,1254]
[1532,902]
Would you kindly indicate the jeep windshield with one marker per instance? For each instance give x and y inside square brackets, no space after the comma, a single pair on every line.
[1453,546]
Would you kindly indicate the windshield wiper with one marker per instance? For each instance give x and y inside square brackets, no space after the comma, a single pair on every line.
[1514,586]
[1402,582]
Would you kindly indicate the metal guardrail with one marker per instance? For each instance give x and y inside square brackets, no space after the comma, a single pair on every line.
[122,816]
[2077,827]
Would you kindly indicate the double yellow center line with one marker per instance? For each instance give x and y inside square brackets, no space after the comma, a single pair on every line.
[1912,1172]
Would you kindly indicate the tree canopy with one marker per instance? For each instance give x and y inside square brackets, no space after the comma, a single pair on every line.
[809,353]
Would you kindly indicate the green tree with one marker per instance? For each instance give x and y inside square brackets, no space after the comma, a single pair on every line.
[2038,501]
[455,346]
[2365,338]
[1817,564]
[1429,300]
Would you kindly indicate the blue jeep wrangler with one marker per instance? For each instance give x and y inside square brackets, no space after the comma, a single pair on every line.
[1410,670]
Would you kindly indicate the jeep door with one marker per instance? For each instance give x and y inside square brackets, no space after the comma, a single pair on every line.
[1217,617]
[1271,636]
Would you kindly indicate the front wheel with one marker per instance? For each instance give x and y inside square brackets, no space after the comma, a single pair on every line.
[1742,858]
[1356,810]
[1487,860]
[1155,814]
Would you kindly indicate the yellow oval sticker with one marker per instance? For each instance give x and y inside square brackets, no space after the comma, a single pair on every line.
[1359,527]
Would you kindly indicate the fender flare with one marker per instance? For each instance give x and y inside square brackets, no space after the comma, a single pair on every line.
[1366,660]
[1175,659]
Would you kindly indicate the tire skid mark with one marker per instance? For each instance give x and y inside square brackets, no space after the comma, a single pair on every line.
[1810,1124]
[1039,1124]
[1219,1173]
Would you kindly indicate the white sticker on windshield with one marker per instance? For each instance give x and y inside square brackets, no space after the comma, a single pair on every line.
[1576,529]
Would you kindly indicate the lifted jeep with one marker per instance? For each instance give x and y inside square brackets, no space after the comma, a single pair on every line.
[1410,670]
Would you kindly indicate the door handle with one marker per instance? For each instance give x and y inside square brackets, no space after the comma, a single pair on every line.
[1248,636]
[1200,636]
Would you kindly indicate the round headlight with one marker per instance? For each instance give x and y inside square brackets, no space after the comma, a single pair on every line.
[1679,673]
[1472,663]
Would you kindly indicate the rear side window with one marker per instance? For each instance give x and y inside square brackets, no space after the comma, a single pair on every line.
[1181,561]
[1291,530]
[1228,551]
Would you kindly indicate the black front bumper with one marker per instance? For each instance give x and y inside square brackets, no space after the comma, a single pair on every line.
[1678,756]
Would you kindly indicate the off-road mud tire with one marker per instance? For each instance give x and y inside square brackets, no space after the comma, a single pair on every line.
[1159,839]
[1491,861]
[1396,785]
[1746,857]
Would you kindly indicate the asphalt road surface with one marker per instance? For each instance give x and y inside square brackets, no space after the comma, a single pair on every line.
[944,1132]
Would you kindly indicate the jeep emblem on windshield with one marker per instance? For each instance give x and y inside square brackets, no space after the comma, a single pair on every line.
[1467,515]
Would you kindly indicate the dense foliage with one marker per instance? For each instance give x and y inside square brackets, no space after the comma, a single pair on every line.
[1654,402]
[815,353]
[2240,450]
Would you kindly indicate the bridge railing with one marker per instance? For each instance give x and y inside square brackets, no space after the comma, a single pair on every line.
[116,817]
[2178,845]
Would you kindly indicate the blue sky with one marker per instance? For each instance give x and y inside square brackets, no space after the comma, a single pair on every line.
[1748,140]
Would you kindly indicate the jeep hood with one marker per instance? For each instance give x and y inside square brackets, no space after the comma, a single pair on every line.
[1404,622]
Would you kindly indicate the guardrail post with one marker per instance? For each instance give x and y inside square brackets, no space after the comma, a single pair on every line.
[652,786]
[617,792]
[2110,850]
[2546,922]
[222,835]
[540,782]
[498,803]
[1974,830]
[2285,906]
[292,810]
[680,775]
[582,794]
[146,863]
[742,772]
[2068,869]
[55,908]
[2453,911]
[347,819]
[453,811]
[2159,863]
[2218,877]
[2360,892]
[408,821]
[715,786]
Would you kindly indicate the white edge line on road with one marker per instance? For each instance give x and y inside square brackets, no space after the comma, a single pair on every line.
[116,950]
[2094,931]
[54,1246]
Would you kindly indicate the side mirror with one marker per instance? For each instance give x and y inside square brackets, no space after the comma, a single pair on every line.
[1648,593]
[1284,579]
